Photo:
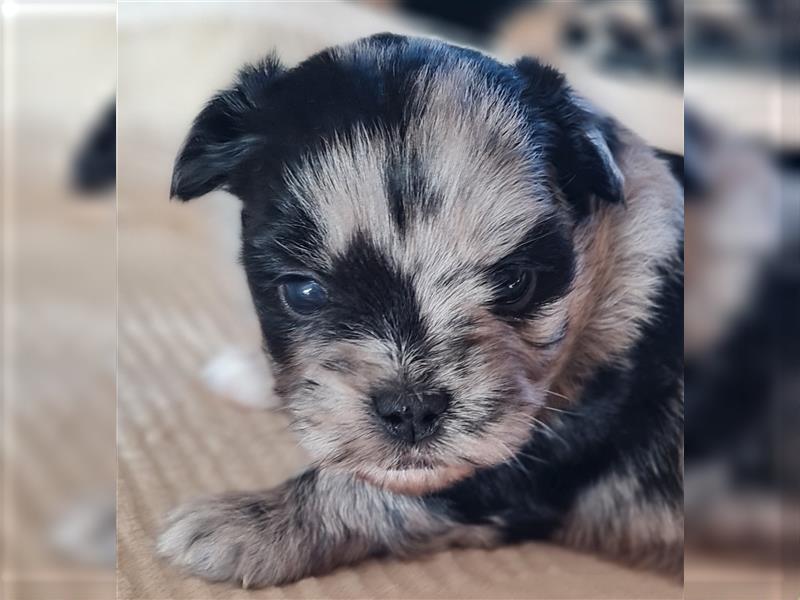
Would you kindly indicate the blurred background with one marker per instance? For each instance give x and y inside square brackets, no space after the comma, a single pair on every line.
[58,306]
[80,268]
[742,299]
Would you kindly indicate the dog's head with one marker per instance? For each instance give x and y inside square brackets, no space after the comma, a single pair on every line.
[408,209]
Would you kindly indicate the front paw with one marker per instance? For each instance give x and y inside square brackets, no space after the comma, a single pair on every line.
[236,537]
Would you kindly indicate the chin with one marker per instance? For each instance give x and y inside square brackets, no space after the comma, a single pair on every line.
[415,481]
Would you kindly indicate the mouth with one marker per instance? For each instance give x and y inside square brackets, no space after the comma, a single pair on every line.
[415,481]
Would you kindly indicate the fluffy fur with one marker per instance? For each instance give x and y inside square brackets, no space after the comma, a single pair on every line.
[404,175]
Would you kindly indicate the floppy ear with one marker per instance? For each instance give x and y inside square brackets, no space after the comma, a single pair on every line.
[223,135]
[579,143]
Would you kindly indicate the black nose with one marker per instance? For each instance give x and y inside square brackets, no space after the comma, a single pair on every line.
[410,416]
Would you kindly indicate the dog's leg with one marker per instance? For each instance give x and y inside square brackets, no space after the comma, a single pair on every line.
[309,525]
[620,517]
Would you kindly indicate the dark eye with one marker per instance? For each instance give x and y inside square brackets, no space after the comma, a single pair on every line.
[514,288]
[303,296]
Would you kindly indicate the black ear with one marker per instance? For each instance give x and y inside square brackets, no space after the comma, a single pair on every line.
[578,142]
[223,134]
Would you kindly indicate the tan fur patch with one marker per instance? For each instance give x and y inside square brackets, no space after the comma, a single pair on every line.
[620,250]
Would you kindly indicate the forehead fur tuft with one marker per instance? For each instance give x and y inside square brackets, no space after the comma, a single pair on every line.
[456,174]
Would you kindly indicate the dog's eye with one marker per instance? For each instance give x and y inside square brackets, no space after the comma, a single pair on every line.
[514,287]
[303,296]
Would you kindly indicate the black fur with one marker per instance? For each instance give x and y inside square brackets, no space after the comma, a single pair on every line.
[628,419]
[95,165]
[271,117]
[579,143]
[618,421]
[224,134]
[547,249]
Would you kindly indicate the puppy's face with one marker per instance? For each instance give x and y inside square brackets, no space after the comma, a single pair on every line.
[413,297]
[410,258]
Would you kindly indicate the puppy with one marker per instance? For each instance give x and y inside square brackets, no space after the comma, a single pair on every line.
[470,287]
